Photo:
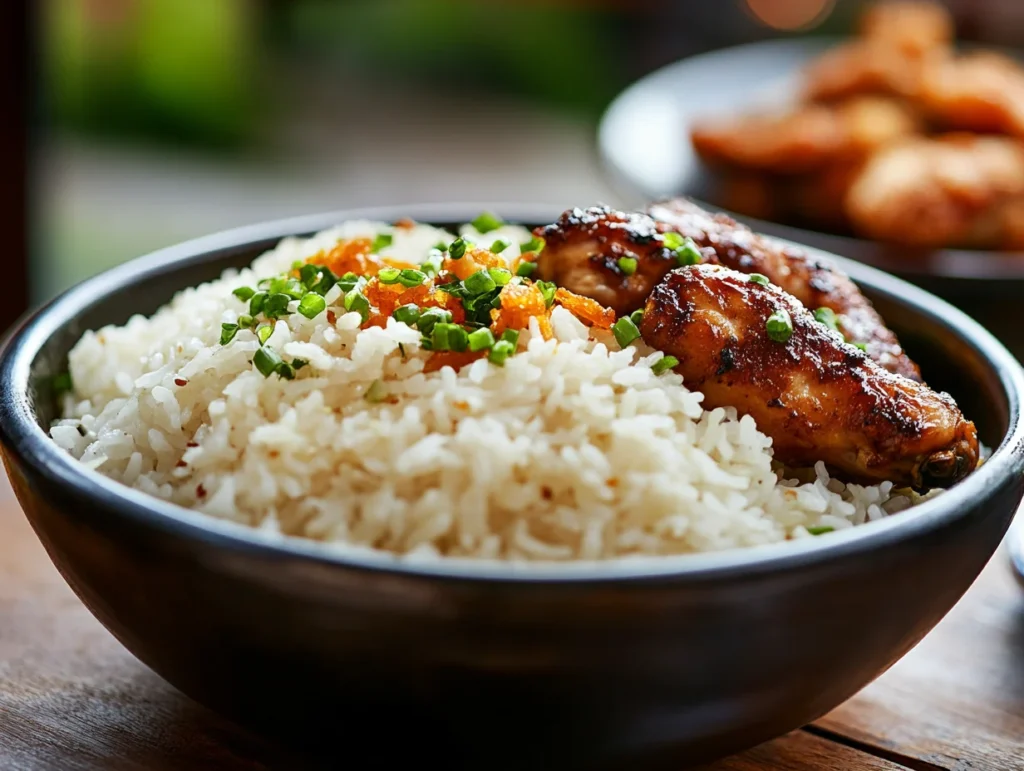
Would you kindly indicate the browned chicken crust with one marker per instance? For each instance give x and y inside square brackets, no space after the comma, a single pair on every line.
[912,26]
[816,396]
[962,190]
[806,138]
[584,246]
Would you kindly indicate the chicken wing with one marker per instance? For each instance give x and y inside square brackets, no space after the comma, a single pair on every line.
[981,92]
[936,192]
[806,138]
[585,246]
[816,396]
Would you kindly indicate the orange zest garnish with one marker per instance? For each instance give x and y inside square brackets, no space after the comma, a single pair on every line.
[585,309]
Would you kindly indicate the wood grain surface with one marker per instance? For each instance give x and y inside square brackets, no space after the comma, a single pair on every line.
[72,698]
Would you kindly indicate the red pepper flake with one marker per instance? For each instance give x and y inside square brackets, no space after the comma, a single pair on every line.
[546,493]
[192,444]
[181,464]
[200,491]
[331,318]
[180,381]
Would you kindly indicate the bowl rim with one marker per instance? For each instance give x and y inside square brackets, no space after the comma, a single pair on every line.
[27,441]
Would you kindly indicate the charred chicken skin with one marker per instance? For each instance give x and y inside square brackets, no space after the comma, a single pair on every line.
[585,248]
[818,397]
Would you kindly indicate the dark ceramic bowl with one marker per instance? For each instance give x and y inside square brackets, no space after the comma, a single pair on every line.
[674,661]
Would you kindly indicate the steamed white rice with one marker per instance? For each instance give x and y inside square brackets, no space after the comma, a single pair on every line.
[573,450]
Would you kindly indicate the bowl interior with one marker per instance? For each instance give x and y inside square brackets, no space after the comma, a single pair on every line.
[955,354]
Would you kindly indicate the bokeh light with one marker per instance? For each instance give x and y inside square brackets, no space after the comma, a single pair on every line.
[790,15]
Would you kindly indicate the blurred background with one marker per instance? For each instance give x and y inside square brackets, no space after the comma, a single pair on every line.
[152,121]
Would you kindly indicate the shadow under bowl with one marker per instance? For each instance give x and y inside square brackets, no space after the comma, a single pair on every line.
[666,662]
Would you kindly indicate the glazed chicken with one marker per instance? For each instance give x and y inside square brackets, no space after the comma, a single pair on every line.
[818,397]
[584,249]
[982,92]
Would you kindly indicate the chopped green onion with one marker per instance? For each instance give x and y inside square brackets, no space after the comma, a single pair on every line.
[356,301]
[267,361]
[625,331]
[389,275]
[286,371]
[501,276]
[62,383]
[672,241]
[382,241]
[327,282]
[637,316]
[664,364]
[688,253]
[312,305]
[449,337]
[481,339]
[486,222]
[501,351]
[299,363]
[457,249]
[432,316]
[256,303]
[441,246]
[376,392]
[861,346]
[294,289]
[297,265]
[526,269]
[511,336]
[479,283]
[432,265]
[828,317]
[263,333]
[411,277]
[308,274]
[499,246]
[227,333]
[245,322]
[407,314]
[820,529]
[348,282]
[779,326]
[535,244]
[760,279]
[276,305]
[244,293]
[548,290]
[627,265]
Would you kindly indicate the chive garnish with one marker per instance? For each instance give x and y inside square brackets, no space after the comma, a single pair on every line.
[356,301]
[389,275]
[760,279]
[432,265]
[449,337]
[499,246]
[535,244]
[501,351]
[664,364]
[481,339]
[820,529]
[309,274]
[685,249]
[376,392]
[486,222]
[637,316]
[276,305]
[267,361]
[430,317]
[526,269]
[625,331]
[627,265]
[828,317]
[228,332]
[511,336]
[457,250]
[779,326]
[861,346]
[299,363]
[244,293]
[548,290]
[411,277]
[312,305]
[263,333]
[407,314]
[382,241]
[479,283]
[256,303]
[500,276]
[245,321]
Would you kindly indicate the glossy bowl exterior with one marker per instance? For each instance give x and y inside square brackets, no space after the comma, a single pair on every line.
[660,663]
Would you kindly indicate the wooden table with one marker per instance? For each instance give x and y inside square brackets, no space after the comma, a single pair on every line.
[72,698]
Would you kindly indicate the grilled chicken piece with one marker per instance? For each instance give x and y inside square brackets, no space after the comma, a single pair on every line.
[816,396]
[807,138]
[962,190]
[910,26]
[583,249]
